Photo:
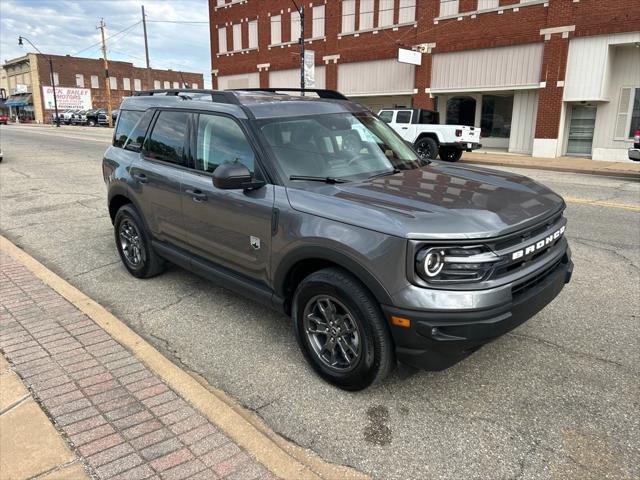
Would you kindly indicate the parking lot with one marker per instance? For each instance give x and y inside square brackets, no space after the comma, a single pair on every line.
[556,398]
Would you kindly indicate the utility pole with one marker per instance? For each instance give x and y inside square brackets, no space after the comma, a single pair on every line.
[301,14]
[106,73]
[146,49]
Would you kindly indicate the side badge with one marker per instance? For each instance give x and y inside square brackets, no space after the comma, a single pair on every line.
[254,242]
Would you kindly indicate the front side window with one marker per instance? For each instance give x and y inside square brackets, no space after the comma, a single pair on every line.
[386,116]
[126,121]
[221,140]
[135,139]
[342,145]
[167,140]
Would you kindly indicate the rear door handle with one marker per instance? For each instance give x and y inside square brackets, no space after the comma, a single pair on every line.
[196,195]
[404,128]
[140,178]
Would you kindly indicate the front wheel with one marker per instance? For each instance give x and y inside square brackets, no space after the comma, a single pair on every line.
[427,148]
[450,154]
[341,330]
[92,123]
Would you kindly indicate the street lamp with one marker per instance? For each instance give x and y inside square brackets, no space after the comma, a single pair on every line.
[53,83]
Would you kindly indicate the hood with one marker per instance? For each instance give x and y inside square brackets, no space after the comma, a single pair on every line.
[439,201]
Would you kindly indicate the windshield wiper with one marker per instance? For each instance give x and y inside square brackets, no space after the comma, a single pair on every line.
[384,174]
[318,179]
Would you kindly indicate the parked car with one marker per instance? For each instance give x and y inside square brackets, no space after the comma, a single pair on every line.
[93,117]
[79,118]
[65,117]
[422,128]
[317,208]
[4,119]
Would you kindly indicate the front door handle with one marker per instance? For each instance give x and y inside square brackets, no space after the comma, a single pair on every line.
[404,128]
[140,178]
[197,195]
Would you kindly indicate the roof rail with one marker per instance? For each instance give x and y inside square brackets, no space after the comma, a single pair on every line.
[216,95]
[321,92]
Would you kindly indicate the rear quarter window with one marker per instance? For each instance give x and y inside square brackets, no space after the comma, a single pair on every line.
[127,120]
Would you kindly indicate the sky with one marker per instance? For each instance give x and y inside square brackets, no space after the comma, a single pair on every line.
[69,27]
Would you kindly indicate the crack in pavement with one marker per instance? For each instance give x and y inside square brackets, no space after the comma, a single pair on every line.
[597,244]
[522,336]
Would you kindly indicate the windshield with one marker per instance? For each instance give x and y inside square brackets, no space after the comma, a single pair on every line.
[342,145]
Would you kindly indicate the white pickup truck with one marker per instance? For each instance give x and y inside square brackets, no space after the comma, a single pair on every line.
[423,129]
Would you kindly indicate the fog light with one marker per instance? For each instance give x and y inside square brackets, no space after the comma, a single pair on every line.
[434,331]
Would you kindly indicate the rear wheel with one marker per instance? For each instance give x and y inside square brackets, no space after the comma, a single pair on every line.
[134,244]
[427,148]
[341,330]
[449,154]
[92,123]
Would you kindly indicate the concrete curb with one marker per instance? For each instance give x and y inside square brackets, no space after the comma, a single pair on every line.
[281,457]
[605,173]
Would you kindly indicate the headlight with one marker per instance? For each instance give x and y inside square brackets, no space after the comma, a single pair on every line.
[455,264]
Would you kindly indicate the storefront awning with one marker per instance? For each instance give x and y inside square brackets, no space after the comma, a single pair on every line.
[19,100]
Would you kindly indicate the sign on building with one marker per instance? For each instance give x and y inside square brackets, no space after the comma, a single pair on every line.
[409,56]
[67,98]
[309,69]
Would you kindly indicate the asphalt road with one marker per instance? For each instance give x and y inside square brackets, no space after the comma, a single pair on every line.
[556,398]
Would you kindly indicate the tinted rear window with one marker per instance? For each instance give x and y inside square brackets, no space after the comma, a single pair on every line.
[167,140]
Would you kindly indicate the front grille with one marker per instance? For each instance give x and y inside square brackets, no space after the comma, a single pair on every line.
[522,236]
[537,279]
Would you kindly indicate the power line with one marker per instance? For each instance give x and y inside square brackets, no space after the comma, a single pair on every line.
[108,38]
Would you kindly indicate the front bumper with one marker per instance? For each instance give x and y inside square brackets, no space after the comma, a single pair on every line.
[438,339]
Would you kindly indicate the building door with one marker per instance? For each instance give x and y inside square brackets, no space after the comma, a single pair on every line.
[583,121]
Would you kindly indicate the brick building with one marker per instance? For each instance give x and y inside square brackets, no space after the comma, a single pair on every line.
[541,77]
[80,83]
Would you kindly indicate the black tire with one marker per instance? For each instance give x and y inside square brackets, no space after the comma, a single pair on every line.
[376,357]
[427,148]
[92,123]
[449,154]
[149,264]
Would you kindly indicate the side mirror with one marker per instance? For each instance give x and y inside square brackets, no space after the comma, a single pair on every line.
[234,176]
[133,146]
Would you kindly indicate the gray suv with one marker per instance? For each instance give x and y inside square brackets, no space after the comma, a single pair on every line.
[314,206]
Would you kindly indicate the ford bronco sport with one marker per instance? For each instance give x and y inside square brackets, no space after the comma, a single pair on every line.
[314,206]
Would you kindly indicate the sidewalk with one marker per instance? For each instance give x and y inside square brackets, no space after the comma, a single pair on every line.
[561,164]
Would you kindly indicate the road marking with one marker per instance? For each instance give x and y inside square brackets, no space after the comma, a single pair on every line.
[281,457]
[598,203]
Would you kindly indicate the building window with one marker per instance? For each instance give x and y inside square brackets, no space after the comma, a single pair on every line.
[194,86]
[222,40]
[318,22]
[126,84]
[295,26]
[167,85]
[56,80]
[95,83]
[156,85]
[487,4]
[176,84]
[113,83]
[348,16]
[79,80]
[628,119]
[221,2]
[407,11]
[253,34]
[461,111]
[496,115]
[237,37]
[448,7]
[137,84]
[276,29]
[366,15]
[385,13]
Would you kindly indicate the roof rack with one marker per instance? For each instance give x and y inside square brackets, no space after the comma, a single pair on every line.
[321,92]
[216,95]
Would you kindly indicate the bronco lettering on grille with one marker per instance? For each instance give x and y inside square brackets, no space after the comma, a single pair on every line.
[534,247]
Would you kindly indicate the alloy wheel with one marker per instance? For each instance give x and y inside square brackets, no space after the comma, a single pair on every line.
[131,243]
[333,333]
